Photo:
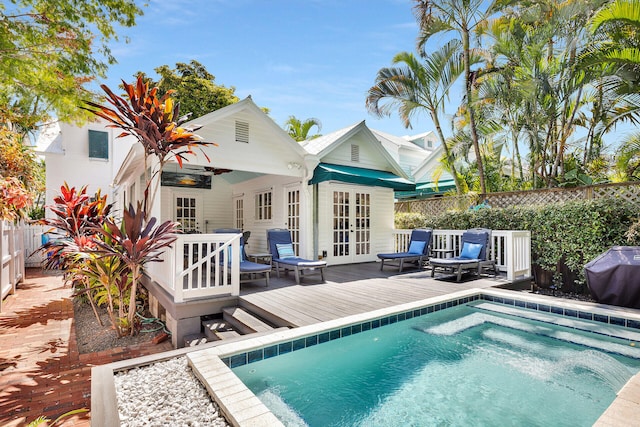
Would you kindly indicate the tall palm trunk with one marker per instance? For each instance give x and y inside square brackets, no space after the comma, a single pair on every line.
[447,153]
[472,120]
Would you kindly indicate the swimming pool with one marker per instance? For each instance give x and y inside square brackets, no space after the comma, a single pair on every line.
[425,366]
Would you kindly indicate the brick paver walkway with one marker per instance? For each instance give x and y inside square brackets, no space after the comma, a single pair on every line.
[41,371]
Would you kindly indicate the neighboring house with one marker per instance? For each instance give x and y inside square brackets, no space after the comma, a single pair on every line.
[89,155]
[426,184]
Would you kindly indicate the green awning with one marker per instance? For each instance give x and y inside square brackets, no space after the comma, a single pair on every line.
[427,189]
[353,175]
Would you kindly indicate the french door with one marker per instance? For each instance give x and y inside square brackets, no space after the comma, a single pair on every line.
[293,216]
[188,212]
[351,226]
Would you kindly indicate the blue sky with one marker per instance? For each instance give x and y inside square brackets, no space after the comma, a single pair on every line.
[307,58]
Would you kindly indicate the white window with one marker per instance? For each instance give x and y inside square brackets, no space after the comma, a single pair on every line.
[263,205]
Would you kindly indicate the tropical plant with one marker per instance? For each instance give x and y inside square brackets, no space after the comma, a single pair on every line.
[414,86]
[14,199]
[299,129]
[156,123]
[108,283]
[135,243]
[44,420]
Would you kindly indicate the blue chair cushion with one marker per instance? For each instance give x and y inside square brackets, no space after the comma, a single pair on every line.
[417,247]
[470,250]
[285,250]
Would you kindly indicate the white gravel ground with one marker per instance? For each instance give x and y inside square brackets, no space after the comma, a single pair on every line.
[165,394]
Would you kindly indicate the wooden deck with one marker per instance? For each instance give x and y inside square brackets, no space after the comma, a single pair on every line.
[349,289]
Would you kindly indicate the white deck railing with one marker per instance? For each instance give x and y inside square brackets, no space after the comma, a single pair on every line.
[511,249]
[11,258]
[195,267]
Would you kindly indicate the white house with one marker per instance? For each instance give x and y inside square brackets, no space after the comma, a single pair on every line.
[335,193]
[89,155]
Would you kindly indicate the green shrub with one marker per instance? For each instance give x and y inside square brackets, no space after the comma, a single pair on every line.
[411,220]
[564,237]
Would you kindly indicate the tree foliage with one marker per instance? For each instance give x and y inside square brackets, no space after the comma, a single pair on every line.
[299,129]
[50,50]
[551,81]
[195,88]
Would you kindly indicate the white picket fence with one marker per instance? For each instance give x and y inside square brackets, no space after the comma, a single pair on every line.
[32,241]
[12,258]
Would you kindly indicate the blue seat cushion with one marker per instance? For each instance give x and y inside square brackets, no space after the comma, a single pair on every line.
[253,267]
[417,247]
[470,250]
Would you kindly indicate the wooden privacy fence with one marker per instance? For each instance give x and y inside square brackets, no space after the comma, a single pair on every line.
[629,191]
[12,258]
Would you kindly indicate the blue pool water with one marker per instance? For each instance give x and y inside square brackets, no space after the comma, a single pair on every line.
[466,365]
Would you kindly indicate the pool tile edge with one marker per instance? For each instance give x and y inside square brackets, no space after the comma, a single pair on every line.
[238,404]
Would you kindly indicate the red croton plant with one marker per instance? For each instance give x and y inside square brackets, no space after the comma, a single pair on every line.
[155,122]
[109,255]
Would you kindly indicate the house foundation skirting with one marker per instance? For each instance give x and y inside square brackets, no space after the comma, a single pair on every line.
[183,318]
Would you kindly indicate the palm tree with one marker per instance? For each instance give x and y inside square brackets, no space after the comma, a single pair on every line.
[299,130]
[419,86]
[461,17]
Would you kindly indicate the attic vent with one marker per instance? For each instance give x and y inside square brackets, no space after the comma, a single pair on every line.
[355,153]
[242,132]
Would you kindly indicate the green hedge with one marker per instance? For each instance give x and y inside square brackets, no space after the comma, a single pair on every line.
[564,237]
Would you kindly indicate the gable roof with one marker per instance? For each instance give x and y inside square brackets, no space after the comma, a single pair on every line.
[49,140]
[424,171]
[400,141]
[324,145]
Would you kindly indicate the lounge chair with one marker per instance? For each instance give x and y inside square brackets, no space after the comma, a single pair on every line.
[475,247]
[284,257]
[248,269]
[418,250]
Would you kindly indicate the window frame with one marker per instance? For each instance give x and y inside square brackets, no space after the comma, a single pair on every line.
[98,152]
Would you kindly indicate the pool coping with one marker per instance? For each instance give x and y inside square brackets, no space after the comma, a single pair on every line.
[212,365]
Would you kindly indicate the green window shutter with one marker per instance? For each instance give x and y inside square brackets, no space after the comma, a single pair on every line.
[98,145]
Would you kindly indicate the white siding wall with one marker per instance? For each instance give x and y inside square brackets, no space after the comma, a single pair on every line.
[370,157]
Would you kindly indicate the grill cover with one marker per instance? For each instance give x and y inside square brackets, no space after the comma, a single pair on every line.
[614,277]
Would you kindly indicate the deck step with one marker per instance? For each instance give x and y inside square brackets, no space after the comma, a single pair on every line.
[211,327]
[243,321]
[225,335]
[194,340]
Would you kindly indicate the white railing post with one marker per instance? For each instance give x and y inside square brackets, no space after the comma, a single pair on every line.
[178,267]
[199,266]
